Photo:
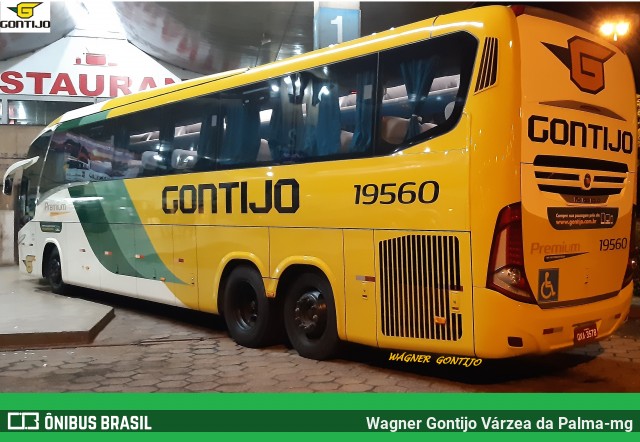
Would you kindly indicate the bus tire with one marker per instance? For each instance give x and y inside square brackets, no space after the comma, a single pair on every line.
[248,313]
[310,317]
[54,273]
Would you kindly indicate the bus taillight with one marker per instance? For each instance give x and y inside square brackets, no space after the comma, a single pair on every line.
[506,272]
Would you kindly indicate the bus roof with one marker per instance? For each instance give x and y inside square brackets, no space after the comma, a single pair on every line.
[141,100]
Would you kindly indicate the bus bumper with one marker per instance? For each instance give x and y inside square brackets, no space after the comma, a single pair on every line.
[498,318]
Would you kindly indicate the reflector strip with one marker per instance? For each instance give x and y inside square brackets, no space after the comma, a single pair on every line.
[366,278]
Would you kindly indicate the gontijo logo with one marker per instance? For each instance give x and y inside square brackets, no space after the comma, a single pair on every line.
[25,9]
[585,60]
[25,17]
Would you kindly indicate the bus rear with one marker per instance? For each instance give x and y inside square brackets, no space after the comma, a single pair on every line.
[563,253]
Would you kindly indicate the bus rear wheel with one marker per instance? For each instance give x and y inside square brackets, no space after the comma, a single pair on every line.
[247,311]
[54,273]
[310,317]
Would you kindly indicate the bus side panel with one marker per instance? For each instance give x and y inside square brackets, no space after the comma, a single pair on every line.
[217,246]
[56,221]
[320,248]
[81,264]
[185,266]
[425,294]
[360,287]
[29,257]
[494,173]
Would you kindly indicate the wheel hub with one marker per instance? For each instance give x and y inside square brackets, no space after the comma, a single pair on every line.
[245,306]
[54,270]
[311,313]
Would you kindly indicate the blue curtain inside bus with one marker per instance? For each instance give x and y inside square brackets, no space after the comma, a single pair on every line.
[418,76]
[365,105]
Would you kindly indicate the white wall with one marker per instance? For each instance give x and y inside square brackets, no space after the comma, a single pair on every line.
[6,237]
[14,143]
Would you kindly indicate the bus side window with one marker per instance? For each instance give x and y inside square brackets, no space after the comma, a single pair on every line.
[324,113]
[81,154]
[193,125]
[30,179]
[346,93]
[145,148]
[286,129]
[240,113]
[425,86]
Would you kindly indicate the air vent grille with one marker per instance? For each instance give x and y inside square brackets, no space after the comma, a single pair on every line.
[584,177]
[488,73]
[417,275]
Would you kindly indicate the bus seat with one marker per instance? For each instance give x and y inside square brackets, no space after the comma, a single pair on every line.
[394,129]
[349,100]
[264,153]
[134,139]
[448,110]
[426,126]
[187,141]
[395,92]
[192,128]
[134,169]
[446,82]
[345,141]
[183,159]
[150,160]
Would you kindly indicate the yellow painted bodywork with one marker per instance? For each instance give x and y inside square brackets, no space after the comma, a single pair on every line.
[477,166]
[526,321]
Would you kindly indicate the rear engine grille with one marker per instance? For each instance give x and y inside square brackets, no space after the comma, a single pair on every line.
[417,273]
[579,176]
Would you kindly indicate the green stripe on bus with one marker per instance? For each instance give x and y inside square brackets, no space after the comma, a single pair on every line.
[115,233]
[93,118]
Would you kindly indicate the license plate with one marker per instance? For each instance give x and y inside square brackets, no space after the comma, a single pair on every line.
[585,334]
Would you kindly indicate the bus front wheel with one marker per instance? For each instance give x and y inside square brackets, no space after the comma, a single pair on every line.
[54,273]
[247,311]
[310,317]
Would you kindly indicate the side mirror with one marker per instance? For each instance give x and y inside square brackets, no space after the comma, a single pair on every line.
[18,165]
[8,186]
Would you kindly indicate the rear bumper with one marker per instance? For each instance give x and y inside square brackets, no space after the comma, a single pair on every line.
[496,318]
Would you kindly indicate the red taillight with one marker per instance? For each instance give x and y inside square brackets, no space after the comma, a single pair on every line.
[632,262]
[506,272]
[518,10]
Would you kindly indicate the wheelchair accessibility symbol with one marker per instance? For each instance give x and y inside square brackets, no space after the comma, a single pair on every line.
[548,285]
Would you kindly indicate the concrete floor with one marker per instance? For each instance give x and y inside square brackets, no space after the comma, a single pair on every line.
[147,347]
[30,317]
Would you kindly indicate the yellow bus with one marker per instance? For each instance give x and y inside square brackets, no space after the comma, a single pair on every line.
[462,185]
